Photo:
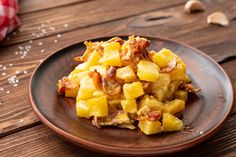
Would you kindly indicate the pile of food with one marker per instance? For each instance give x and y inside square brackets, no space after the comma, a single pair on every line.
[121,83]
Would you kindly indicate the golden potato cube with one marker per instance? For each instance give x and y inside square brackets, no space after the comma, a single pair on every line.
[160,87]
[151,103]
[75,76]
[133,90]
[163,57]
[111,55]
[178,73]
[129,105]
[82,108]
[173,86]
[93,59]
[171,123]
[150,127]
[126,73]
[175,106]
[99,107]
[147,71]
[181,94]
[82,67]
[86,88]
[72,92]
[98,93]
[102,69]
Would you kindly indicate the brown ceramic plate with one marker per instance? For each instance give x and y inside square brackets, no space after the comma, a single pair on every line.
[203,116]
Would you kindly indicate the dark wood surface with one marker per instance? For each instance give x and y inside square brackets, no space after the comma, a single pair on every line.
[70,21]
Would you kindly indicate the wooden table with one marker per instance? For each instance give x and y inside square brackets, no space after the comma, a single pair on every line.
[51,25]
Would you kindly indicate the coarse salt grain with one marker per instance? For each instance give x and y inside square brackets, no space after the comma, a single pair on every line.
[42,50]
[4,74]
[66,25]
[31,41]
[58,35]
[16,53]
[55,41]
[10,64]
[25,72]
[4,68]
[40,43]
[15,85]
[8,92]
[22,57]
[22,120]
[17,72]
[20,47]
[1,65]
[1,89]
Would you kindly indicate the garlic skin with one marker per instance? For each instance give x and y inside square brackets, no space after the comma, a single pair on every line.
[194,6]
[218,18]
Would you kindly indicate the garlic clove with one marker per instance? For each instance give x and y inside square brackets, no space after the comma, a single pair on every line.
[194,6]
[218,18]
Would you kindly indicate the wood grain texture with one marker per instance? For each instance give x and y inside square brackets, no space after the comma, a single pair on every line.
[40,141]
[28,6]
[218,39]
[83,15]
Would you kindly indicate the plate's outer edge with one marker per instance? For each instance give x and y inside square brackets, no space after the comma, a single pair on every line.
[128,151]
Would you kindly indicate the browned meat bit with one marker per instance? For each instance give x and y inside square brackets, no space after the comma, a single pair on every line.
[111,74]
[153,115]
[97,79]
[117,39]
[64,84]
[171,65]
[137,47]
[147,87]
[118,118]
[112,88]
[189,88]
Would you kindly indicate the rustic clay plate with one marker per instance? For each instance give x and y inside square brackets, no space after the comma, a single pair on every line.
[203,116]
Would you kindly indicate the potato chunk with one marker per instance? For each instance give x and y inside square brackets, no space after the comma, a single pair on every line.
[151,103]
[93,59]
[129,105]
[111,55]
[175,106]
[181,94]
[171,123]
[163,57]
[160,87]
[82,108]
[147,71]
[178,73]
[86,88]
[102,69]
[126,73]
[150,127]
[99,107]
[133,90]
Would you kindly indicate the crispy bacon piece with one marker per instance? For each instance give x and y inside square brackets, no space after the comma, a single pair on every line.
[112,88]
[97,79]
[189,87]
[147,86]
[64,84]
[154,115]
[111,74]
[171,65]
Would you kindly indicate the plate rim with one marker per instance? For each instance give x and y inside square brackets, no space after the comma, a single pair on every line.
[126,150]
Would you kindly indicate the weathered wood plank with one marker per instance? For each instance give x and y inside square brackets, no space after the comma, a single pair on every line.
[40,141]
[13,109]
[28,6]
[82,15]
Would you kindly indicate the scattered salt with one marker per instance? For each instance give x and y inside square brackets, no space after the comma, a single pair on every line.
[58,35]
[42,50]
[16,53]
[66,25]
[10,64]
[22,120]
[1,89]
[17,71]
[15,85]
[8,92]
[1,65]
[25,72]
[20,47]
[55,41]
[31,41]
[22,57]
[4,68]
[40,43]
[4,74]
